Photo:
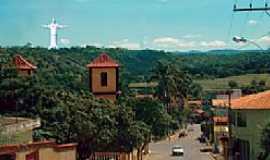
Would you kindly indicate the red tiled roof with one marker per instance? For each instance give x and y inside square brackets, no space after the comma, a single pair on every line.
[220,119]
[255,101]
[21,63]
[103,60]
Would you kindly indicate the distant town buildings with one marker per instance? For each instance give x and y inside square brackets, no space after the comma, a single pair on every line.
[104,77]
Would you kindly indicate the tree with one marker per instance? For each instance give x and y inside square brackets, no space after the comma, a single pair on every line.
[232,84]
[173,84]
[265,143]
[152,113]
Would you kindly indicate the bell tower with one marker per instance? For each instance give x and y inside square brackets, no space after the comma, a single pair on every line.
[103,77]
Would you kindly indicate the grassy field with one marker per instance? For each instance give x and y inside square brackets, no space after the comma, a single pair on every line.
[222,83]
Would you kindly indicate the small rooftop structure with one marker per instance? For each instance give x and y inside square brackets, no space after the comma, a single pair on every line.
[103,61]
[253,102]
[23,64]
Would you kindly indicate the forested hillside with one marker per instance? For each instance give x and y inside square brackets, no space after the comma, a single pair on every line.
[67,67]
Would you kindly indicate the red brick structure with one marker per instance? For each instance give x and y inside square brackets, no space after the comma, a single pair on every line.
[23,66]
[104,77]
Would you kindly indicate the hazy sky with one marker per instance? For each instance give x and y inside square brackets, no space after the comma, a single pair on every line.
[134,24]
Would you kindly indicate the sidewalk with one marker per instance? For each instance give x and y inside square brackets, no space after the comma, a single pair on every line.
[216,156]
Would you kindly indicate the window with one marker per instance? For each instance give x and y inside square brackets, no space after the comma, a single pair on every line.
[104,80]
[232,118]
[241,119]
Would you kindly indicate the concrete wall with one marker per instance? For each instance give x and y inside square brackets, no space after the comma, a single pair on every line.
[49,154]
[256,121]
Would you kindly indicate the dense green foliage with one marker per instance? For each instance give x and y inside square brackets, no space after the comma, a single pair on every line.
[58,92]
[265,143]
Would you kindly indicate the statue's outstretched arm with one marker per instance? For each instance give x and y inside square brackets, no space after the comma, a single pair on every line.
[45,26]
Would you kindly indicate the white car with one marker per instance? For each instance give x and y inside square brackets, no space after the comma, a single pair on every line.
[177,151]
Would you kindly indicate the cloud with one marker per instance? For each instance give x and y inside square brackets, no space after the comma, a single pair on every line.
[265,39]
[252,22]
[125,43]
[65,41]
[171,43]
[192,36]
[213,44]
[163,1]
[166,40]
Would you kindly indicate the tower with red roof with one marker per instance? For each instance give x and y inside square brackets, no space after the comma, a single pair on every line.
[104,77]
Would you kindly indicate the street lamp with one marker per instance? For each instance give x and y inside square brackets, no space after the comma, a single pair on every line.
[238,39]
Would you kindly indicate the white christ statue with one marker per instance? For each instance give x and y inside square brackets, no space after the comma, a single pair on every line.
[53,35]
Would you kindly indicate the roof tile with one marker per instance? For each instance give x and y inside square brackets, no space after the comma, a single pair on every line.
[103,60]
[255,101]
[22,63]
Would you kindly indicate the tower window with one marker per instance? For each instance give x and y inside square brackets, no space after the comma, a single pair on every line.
[104,79]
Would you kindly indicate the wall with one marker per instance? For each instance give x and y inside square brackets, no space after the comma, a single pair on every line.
[48,153]
[256,121]
[96,85]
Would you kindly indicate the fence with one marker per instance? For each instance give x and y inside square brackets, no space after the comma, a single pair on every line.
[111,156]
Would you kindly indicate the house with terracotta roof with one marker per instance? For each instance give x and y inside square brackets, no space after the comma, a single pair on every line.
[23,66]
[104,77]
[248,116]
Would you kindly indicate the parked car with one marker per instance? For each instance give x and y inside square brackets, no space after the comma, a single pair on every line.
[206,149]
[177,151]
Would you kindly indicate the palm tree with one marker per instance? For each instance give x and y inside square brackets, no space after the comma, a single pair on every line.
[173,84]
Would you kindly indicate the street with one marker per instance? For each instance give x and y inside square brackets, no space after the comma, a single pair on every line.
[162,150]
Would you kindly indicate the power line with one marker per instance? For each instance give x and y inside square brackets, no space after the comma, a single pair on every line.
[251,8]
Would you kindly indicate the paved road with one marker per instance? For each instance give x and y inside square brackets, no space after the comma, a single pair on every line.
[162,150]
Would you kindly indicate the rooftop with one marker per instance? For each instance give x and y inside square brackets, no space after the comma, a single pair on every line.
[255,101]
[143,85]
[14,124]
[103,60]
[22,63]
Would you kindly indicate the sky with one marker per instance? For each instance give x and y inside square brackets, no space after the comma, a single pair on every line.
[174,25]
